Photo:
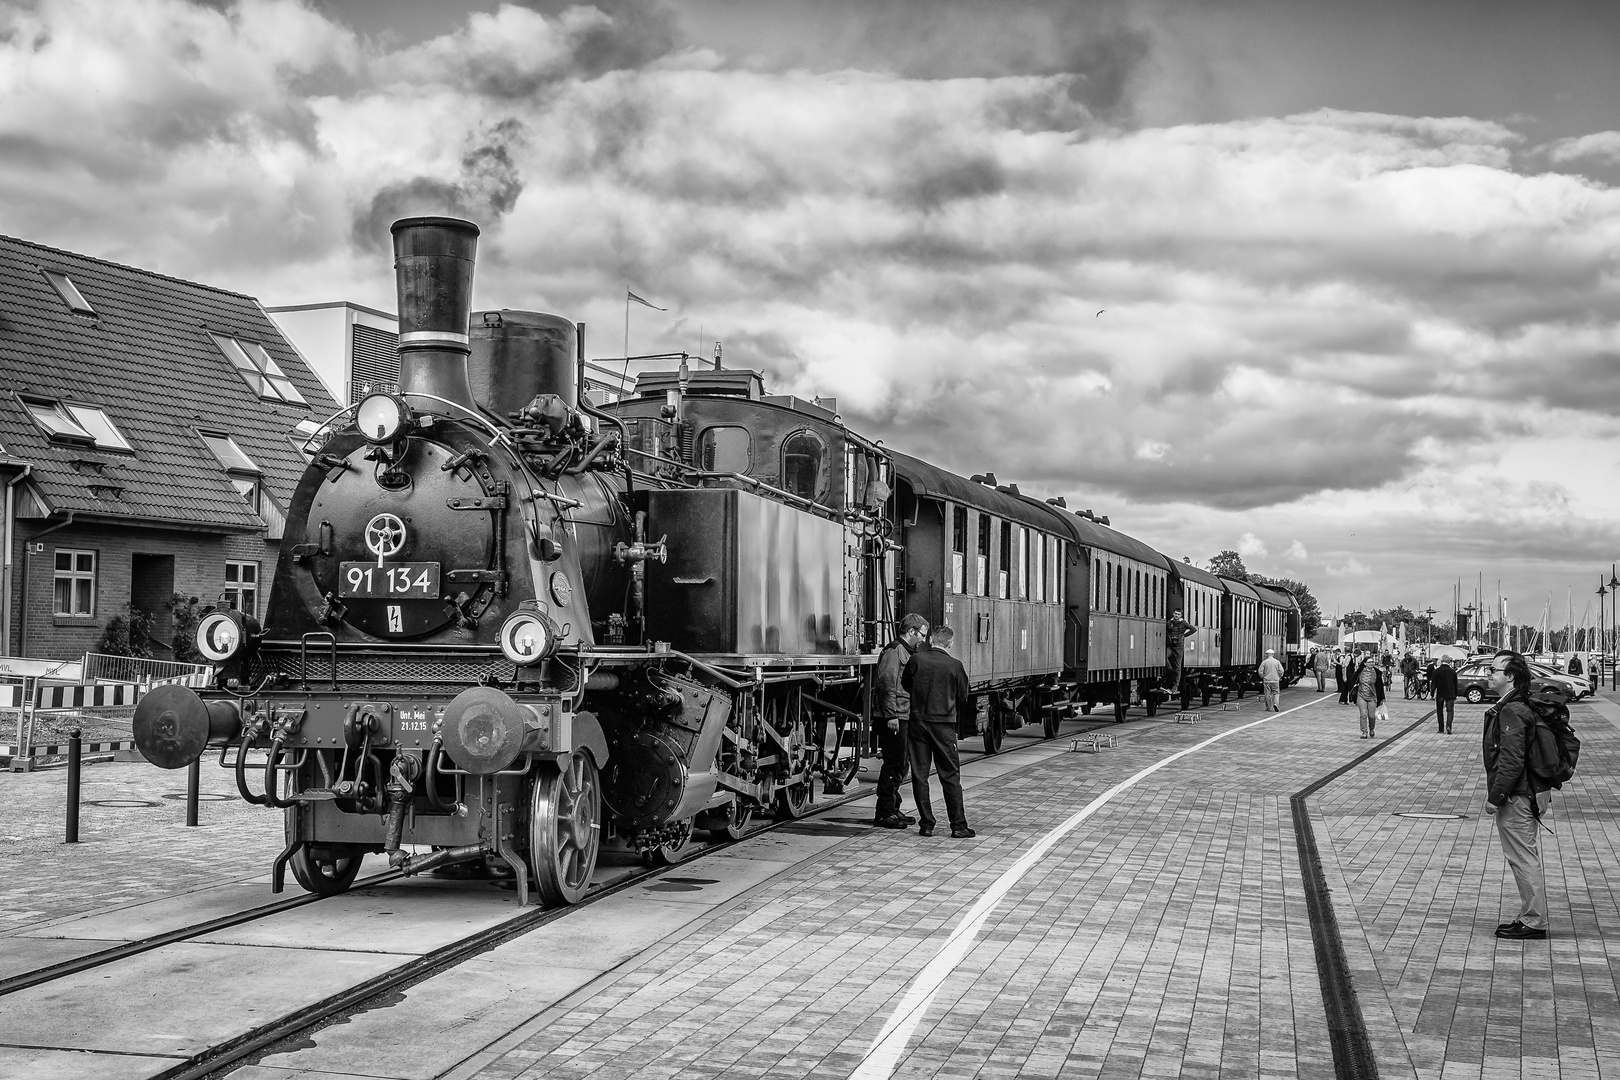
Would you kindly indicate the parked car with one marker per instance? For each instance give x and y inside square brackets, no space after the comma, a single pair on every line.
[1474,680]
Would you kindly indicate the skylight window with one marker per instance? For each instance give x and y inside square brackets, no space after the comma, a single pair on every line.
[259,368]
[230,455]
[77,423]
[69,292]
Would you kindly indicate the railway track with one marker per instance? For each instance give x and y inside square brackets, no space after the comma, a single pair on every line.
[217,1059]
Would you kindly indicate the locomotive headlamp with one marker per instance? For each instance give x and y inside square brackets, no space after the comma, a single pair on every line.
[528,638]
[381,417]
[221,635]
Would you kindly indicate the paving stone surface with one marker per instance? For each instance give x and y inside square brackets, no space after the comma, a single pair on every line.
[126,853]
[1167,936]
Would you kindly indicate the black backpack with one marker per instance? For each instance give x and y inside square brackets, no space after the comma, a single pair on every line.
[1551,748]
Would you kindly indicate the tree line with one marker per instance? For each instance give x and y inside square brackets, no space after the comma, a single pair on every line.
[1229,564]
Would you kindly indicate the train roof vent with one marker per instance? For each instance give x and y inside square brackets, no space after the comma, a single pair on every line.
[1059,502]
[798,404]
[984,478]
[728,382]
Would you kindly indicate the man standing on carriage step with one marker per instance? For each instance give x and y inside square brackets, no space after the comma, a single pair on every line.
[1176,631]
[894,720]
[938,685]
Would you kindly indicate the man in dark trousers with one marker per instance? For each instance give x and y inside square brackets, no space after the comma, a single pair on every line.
[894,719]
[938,685]
[1445,695]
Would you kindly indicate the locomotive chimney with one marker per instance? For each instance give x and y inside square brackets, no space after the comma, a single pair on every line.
[433,269]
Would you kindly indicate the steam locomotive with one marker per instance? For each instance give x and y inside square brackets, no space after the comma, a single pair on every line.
[508,625]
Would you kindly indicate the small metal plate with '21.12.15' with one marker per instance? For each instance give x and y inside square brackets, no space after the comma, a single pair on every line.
[396,581]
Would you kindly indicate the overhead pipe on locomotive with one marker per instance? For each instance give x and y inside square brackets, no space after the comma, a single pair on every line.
[468,644]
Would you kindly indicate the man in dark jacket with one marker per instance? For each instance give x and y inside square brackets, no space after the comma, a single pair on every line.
[1517,807]
[1409,673]
[1445,695]
[938,685]
[894,719]
[1575,664]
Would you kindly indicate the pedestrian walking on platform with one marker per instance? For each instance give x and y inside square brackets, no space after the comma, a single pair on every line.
[894,720]
[1575,664]
[1445,695]
[1271,673]
[1369,694]
[1510,798]
[1347,676]
[1322,663]
[938,685]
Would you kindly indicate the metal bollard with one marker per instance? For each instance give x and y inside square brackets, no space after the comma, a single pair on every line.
[73,787]
[193,782]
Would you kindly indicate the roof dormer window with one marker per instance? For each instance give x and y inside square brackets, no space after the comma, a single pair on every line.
[84,424]
[244,474]
[69,292]
[264,376]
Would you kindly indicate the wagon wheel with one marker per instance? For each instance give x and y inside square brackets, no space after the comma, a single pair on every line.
[1050,719]
[1121,707]
[1226,692]
[1207,691]
[794,800]
[993,733]
[727,822]
[1150,702]
[565,832]
[673,852]
[322,874]
[1186,695]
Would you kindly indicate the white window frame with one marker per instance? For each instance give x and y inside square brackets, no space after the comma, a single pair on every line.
[258,369]
[235,589]
[69,292]
[75,575]
[71,421]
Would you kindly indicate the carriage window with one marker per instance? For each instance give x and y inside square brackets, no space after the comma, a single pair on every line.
[1060,566]
[958,548]
[1003,585]
[726,449]
[1137,594]
[1023,563]
[983,564]
[1119,589]
[802,454]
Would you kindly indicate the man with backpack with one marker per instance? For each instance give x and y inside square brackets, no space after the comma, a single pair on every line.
[1530,749]
[1444,684]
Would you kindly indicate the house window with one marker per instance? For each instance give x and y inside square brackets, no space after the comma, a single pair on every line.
[728,449]
[243,473]
[263,375]
[982,582]
[958,548]
[87,424]
[75,582]
[242,587]
[69,292]
[801,464]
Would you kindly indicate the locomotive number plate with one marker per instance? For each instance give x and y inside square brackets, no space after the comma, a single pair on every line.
[395,581]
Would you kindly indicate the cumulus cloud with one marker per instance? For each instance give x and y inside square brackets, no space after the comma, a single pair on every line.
[1251,546]
[1296,552]
[1599,145]
[1352,567]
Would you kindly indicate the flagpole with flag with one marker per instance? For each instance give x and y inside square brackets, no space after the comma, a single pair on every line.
[628,297]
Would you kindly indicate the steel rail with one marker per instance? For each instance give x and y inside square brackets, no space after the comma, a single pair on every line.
[126,949]
[230,1055]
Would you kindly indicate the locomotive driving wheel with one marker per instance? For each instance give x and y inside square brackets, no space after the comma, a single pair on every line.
[727,822]
[326,869]
[565,832]
[794,800]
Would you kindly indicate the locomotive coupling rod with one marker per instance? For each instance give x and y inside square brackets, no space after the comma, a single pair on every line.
[828,705]
[711,670]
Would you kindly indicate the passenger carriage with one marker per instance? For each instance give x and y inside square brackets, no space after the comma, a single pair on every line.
[1200,596]
[987,563]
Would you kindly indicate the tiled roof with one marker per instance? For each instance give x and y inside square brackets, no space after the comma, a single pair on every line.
[147,361]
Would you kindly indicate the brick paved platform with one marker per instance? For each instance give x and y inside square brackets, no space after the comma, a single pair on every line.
[1166,937]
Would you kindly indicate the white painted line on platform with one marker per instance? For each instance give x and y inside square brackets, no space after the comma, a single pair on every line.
[880,1061]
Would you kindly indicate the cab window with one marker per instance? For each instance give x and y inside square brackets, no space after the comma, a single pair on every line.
[727,449]
[802,455]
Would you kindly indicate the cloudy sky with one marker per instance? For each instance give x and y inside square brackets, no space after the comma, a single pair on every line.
[1334,284]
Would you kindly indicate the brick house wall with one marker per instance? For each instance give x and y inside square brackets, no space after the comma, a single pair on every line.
[198,570]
